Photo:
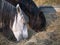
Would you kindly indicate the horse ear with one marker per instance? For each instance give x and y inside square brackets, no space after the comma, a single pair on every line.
[18,8]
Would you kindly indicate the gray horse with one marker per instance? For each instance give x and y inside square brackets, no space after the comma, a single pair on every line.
[12,21]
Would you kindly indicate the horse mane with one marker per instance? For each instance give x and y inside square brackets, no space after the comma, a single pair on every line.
[8,12]
[7,15]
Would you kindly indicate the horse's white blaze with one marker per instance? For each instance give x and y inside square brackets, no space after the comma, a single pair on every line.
[17,30]
[19,27]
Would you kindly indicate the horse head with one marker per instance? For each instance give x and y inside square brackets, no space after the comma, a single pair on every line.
[19,26]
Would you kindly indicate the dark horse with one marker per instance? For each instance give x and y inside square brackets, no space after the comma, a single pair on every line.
[37,19]
[12,21]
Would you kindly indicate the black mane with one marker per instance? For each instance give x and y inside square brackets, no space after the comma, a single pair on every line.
[7,15]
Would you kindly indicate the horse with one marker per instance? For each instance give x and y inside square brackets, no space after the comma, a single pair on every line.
[12,21]
[37,19]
